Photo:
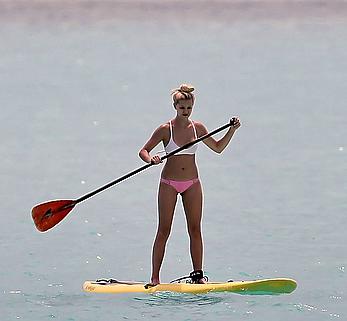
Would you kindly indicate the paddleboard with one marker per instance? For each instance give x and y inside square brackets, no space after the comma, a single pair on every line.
[255,287]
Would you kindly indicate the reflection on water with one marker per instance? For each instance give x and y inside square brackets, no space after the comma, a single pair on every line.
[177,299]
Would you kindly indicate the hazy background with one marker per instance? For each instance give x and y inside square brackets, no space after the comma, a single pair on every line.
[82,86]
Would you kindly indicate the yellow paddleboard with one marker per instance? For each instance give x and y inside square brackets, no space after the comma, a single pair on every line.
[265,286]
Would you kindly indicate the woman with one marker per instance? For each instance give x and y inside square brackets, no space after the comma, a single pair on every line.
[180,176]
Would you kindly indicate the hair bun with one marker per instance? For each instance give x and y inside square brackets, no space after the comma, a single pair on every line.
[186,88]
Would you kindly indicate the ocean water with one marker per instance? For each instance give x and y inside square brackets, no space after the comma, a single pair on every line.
[84,84]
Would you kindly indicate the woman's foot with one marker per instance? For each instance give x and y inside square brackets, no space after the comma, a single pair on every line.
[155,281]
[202,281]
[198,277]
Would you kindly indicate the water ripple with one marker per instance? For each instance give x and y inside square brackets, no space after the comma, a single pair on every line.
[176,299]
[312,308]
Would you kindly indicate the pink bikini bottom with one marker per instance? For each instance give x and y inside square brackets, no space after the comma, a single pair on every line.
[180,186]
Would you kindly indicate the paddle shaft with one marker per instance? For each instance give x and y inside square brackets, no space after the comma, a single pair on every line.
[140,169]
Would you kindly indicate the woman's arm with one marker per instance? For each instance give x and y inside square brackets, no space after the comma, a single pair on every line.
[154,140]
[219,145]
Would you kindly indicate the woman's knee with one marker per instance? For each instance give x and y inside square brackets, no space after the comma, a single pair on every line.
[194,231]
[163,233]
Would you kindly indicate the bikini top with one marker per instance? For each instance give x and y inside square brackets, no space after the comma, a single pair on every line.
[171,146]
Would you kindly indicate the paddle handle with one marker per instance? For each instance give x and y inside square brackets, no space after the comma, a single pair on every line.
[140,169]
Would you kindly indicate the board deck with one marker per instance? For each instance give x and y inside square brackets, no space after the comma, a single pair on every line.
[255,287]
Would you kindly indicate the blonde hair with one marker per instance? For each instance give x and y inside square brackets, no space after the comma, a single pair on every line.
[184,92]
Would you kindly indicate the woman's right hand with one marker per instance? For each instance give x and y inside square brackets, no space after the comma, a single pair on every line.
[155,160]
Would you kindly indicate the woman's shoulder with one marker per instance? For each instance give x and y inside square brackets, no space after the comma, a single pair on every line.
[197,123]
[162,131]
[200,127]
[164,127]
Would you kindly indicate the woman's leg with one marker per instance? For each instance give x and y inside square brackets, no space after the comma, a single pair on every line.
[192,202]
[167,197]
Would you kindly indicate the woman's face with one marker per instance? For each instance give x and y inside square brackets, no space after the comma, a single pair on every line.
[184,107]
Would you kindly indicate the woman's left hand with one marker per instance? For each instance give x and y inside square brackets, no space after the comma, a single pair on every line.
[235,123]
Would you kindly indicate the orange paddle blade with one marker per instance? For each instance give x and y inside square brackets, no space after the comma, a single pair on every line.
[49,214]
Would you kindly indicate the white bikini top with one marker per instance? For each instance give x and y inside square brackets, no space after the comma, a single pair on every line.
[171,146]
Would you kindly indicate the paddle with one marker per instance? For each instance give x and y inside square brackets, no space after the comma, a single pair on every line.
[47,215]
